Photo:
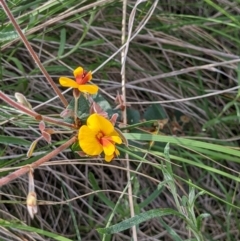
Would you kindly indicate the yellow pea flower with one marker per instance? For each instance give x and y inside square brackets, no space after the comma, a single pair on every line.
[81,78]
[99,136]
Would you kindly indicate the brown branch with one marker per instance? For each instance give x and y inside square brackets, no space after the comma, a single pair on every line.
[32,52]
[18,106]
[20,172]
[57,122]
[32,113]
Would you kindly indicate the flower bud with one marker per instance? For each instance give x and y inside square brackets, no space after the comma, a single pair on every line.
[32,204]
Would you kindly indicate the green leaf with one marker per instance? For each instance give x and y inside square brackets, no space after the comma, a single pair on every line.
[104,104]
[58,237]
[62,42]
[17,62]
[182,142]
[152,196]
[139,145]
[184,200]
[75,147]
[8,35]
[13,140]
[167,157]
[238,77]
[133,116]
[83,108]
[200,218]
[143,217]
[171,231]
[155,112]
[92,43]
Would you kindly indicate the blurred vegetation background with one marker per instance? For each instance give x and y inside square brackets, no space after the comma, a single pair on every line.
[183,59]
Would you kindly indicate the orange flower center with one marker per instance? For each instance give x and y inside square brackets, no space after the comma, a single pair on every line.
[80,79]
[99,136]
[102,139]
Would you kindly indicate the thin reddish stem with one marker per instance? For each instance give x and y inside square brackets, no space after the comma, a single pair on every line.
[32,113]
[18,106]
[20,172]
[57,122]
[32,52]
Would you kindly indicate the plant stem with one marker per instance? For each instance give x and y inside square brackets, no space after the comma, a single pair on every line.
[32,52]
[32,113]
[124,114]
[18,106]
[20,172]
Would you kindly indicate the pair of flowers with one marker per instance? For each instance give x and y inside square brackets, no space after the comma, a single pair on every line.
[98,135]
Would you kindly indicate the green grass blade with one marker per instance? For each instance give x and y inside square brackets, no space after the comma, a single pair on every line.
[54,236]
[143,217]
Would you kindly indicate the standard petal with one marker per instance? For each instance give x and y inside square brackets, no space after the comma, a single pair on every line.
[87,77]
[91,89]
[98,123]
[66,82]
[108,147]
[88,141]
[78,72]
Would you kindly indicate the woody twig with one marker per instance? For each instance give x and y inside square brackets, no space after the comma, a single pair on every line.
[32,113]
[20,172]
[32,52]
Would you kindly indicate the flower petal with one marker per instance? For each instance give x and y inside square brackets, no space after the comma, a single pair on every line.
[91,89]
[78,72]
[108,147]
[116,139]
[109,158]
[100,124]
[87,77]
[88,141]
[66,82]
[117,153]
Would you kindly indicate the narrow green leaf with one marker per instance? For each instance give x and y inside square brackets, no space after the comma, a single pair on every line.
[101,195]
[143,217]
[62,42]
[238,78]
[167,157]
[32,229]
[182,142]
[152,196]
[13,140]
[200,218]
[17,62]
[171,231]
[92,43]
